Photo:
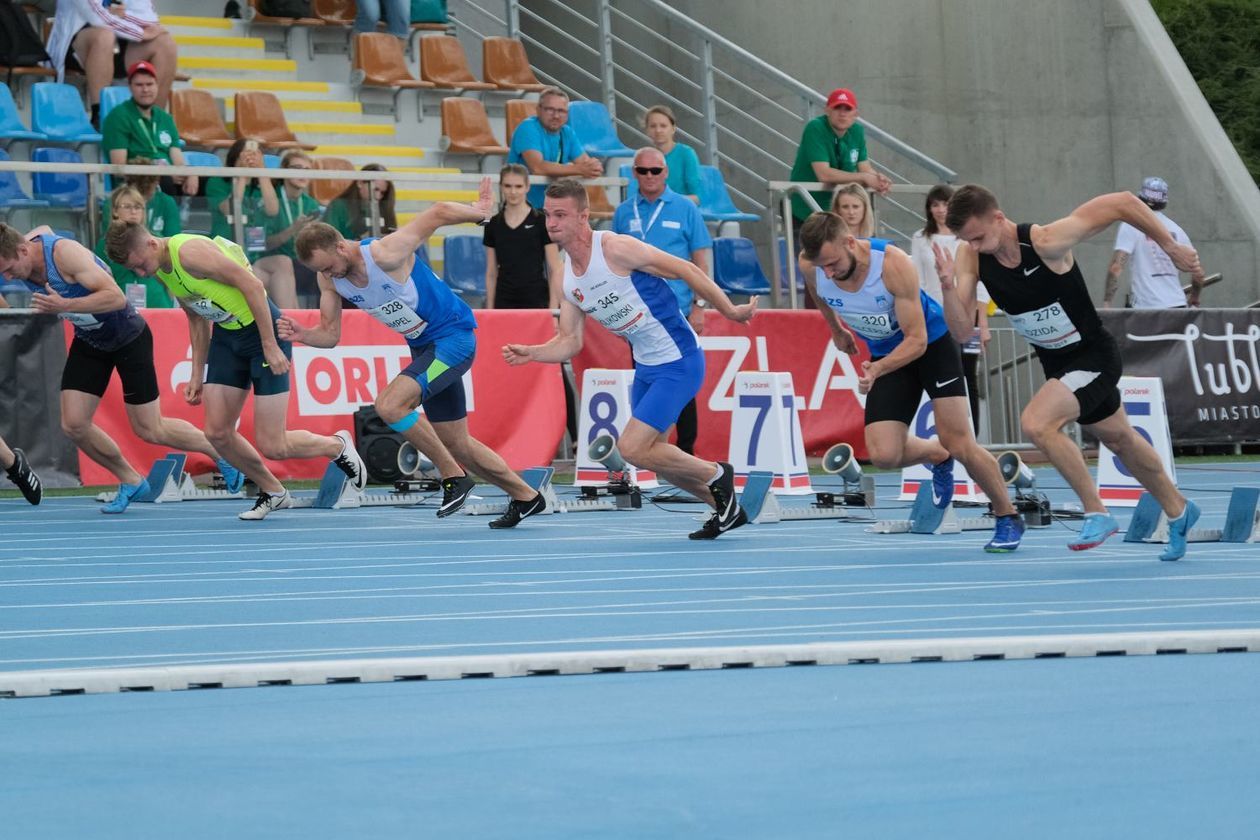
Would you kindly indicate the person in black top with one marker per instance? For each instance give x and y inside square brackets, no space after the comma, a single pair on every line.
[1031,274]
[523,266]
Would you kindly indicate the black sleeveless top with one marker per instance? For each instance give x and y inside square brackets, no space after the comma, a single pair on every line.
[1053,311]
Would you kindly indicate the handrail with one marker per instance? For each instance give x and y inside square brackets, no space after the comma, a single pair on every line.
[788,188]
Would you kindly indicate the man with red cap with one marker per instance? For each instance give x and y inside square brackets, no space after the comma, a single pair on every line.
[833,151]
[140,128]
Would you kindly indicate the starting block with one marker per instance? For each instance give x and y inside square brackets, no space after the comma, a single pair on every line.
[539,478]
[1242,521]
[762,506]
[927,518]
[168,482]
[337,493]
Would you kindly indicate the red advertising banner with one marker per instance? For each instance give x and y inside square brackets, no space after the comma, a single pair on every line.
[792,341]
[518,412]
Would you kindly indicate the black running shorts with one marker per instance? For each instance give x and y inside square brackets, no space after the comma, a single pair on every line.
[89,369]
[896,395]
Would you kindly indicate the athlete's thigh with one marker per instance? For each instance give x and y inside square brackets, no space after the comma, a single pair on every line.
[894,397]
[1054,403]
[271,416]
[953,417]
[223,405]
[402,392]
[637,435]
[86,370]
[136,370]
[78,407]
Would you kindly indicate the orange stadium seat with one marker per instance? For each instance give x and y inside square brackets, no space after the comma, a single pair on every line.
[467,128]
[259,117]
[504,63]
[517,111]
[334,12]
[442,62]
[326,191]
[600,206]
[380,57]
[197,118]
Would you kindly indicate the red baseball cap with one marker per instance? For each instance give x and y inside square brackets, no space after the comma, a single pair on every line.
[842,97]
[146,67]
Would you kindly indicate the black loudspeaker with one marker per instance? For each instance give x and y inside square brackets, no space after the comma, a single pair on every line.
[378,445]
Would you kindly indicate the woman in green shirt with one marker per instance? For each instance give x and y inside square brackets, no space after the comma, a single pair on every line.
[276,267]
[127,203]
[255,196]
[680,159]
[350,212]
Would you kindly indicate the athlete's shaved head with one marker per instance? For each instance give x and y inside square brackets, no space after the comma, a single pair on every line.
[969,202]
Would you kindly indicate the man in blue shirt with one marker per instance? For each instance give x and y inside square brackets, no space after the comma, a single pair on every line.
[664,219]
[548,146]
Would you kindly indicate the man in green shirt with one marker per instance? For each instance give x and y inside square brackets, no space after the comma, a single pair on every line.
[139,128]
[833,151]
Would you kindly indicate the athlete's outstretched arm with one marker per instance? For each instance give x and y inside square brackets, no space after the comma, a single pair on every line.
[392,251]
[629,254]
[328,333]
[78,265]
[840,335]
[1056,240]
[958,275]
[566,344]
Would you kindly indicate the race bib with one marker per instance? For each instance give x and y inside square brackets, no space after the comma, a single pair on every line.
[209,310]
[1049,327]
[400,318]
[874,326]
[617,314]
[82,320]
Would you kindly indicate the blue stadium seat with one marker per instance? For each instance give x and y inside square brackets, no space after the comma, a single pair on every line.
[736,268]
[60,189]
[11,125]
[271,161]
[111,97]
[12,196]
[715,201]
[594,127]
[202,159]
[464,265]
[57,111]
[787,267]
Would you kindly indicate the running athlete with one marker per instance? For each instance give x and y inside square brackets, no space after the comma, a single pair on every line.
[213,284]
[873,288]
[386,279]
[20,473]
[1031,274]
[73,283]
[617,280]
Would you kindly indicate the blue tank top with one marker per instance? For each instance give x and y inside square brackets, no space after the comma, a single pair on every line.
[422,310]
[105,331]
[871,310]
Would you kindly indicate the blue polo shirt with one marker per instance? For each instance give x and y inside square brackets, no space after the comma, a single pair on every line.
[561,146]
[671,223]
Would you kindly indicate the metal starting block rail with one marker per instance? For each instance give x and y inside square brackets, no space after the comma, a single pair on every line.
[1242,521]
[762,506]
[613,496]
[927,518]
[168,482]
[337,493]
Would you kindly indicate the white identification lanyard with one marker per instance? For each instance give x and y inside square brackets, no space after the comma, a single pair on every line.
[288,209]
[643,231]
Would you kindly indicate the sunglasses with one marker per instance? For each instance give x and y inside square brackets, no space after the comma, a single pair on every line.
[649,170]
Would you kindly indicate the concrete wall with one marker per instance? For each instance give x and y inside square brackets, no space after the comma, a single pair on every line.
[1048,104]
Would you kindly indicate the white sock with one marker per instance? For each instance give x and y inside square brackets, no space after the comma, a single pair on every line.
[717,474]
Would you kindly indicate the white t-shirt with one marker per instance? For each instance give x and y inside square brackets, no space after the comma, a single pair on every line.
[1154,279]
[924,259]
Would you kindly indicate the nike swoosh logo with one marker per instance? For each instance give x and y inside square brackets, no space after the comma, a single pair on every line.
[529,227]
[946,382]
[1028,271]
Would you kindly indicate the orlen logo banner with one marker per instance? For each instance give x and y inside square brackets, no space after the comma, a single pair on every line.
[517,411]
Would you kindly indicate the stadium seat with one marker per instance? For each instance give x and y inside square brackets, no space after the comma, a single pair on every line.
[600,207]
[505,64]
[271,161]
[326,191]
[466,128]
[112,96]
[334,12]
[12,196]
[595,129]
[715,201]
[60,189]
[11,125]
[202,159]
[442,62]
[259,117]
[198,120]
[464,265]
[57,112]
[379,62]
[788,268]
[736,268]
[517,111]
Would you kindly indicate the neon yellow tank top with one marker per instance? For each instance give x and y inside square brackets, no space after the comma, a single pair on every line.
[217,302]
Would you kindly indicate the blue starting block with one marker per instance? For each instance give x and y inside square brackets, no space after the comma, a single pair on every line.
[539,478]
[168,482]
[762,506]
[1149,523]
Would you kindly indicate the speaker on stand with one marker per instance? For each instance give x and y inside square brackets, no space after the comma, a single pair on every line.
[378,444]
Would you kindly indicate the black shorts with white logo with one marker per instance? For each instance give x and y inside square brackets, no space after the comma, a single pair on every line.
[1093,375]
[896,395]
[89,369]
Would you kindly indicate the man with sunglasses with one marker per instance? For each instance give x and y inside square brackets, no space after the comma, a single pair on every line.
[548,146]
[671,222]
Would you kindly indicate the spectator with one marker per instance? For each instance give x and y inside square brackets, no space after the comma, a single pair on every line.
[853,204]
[666,220]
[833,151]
[140,128]
[548,146]
[397,15]
[1153,279]
[351,212]
[161,211]
[256,198]
[83,37]
[523,266]
[680,159]
[298,208]
[934,234]
[128,203]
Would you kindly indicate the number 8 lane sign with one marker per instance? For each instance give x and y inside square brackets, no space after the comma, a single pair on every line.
[605,410]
